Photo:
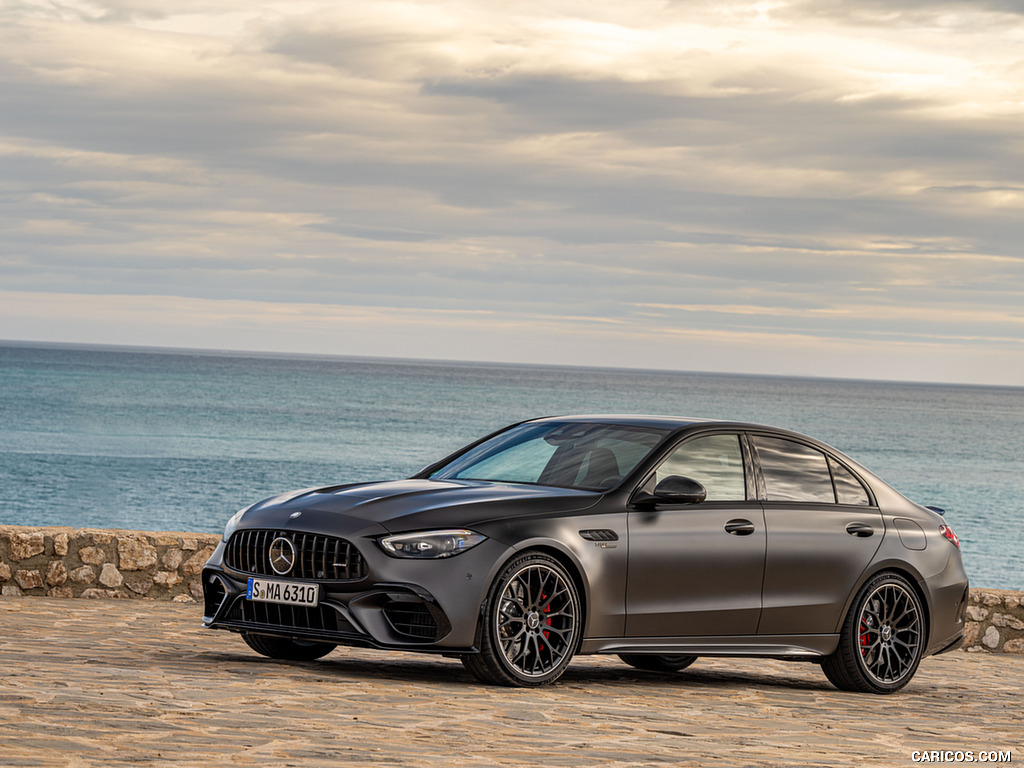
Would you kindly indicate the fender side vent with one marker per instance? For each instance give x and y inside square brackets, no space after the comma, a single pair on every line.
[600,534]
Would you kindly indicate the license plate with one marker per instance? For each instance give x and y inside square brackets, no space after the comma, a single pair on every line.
[284,592]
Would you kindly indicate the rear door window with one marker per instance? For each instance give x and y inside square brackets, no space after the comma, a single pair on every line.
[793,471]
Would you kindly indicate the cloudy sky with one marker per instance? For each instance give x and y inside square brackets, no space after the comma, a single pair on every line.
[818,188]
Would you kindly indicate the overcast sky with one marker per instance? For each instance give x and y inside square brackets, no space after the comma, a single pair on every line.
[814,188]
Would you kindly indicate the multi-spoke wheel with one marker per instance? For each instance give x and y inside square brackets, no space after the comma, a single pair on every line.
[882,639]
[531,624]
[284,648]
[658,662]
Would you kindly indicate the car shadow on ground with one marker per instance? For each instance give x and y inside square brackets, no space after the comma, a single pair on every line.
[438,671]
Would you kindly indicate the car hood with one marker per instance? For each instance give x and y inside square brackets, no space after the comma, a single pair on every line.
[410,505]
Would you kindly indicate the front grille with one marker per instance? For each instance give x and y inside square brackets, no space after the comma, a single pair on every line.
[325,558]
[411,619]
[323,618]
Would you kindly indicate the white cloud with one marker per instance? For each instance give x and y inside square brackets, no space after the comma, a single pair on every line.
[840,176]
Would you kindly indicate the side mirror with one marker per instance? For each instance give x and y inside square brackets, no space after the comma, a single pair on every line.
[676,489]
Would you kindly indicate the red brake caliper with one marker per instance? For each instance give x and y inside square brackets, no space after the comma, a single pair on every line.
[864,641]
[547,609]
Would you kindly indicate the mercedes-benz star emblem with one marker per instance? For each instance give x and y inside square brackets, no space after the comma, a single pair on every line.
[282,555]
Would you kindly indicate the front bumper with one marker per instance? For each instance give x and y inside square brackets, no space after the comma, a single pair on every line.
[414,605]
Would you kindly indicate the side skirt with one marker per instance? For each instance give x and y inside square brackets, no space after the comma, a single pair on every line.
[792,646]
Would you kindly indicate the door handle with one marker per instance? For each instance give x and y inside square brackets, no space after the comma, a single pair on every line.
[861,530]
[739,527]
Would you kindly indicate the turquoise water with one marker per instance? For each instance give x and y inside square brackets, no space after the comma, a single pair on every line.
[168,440]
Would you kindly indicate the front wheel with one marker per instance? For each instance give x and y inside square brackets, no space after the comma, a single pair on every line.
[285,648]
[531,624]
[658,662]
[882,639]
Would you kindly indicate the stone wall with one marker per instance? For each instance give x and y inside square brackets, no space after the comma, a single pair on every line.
[995,621]
[99,563]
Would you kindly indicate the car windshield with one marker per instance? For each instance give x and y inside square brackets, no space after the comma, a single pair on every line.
[562,454]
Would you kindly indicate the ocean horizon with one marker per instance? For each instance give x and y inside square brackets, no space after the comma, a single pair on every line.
[154,438]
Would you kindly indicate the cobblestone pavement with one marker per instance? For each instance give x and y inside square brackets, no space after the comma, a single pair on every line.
[117,683]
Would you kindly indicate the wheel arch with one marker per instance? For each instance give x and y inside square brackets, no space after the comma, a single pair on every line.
[897,568]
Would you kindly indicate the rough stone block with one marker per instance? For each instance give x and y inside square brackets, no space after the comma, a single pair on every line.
[99,594]
[977,613]
[991,598]
[5,571]
[29,579]
[135,554]
[60,544]
[991,638]
[182,599]
[64,591]
[57,573]
[92,555]
[196,589]
[110,576]
[195,563]
[172,559]
[1005,620]
[22,546]
[140,586]
[1014,646]
[167,578]
[9,590]
[971,631]
[83,575]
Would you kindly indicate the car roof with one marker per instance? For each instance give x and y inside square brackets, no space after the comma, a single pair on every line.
[638,420]
[676,423]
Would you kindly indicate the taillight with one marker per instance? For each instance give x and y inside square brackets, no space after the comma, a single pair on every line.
[946,531]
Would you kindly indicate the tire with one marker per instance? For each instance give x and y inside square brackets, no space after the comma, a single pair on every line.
[285,648]
[882,639]
[657,663]
[530,626]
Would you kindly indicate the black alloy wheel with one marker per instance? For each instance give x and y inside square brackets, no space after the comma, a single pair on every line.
[882,639]
[531,625]
[285,648]
[658,662]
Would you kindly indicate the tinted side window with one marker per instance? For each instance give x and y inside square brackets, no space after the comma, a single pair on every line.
[848,488]
[715,462]
[794,472]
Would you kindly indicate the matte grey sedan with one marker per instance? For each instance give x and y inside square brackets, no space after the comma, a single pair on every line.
[657,539]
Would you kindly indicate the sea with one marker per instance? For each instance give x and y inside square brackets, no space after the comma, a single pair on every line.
[178,440]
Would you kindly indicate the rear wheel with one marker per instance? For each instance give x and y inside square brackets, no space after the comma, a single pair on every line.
[658,663]
[531,624]
[882,639]
[286,648]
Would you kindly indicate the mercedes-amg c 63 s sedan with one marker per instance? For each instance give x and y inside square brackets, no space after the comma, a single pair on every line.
[657,539]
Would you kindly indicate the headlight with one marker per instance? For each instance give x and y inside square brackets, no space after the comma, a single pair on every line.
[430,545]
